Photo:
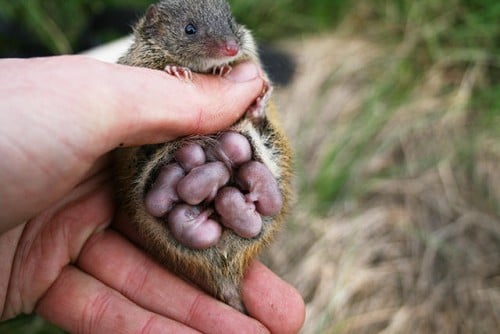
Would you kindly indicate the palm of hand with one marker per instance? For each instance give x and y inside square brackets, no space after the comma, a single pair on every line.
[72,269]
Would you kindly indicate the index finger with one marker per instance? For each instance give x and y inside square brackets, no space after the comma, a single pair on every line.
[155,107]
[273,301]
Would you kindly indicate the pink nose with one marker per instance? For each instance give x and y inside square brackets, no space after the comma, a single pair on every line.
[230,49]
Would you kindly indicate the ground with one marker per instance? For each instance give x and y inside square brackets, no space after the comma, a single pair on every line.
[396,226]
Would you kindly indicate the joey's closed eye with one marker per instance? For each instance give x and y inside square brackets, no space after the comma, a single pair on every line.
[190,29]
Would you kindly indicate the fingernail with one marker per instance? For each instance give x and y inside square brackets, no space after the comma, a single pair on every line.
[243,72]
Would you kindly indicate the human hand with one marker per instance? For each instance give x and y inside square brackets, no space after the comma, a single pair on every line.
[59,117]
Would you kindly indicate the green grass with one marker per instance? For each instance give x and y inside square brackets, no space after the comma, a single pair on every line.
[339,165]
[28,324]
[455,35]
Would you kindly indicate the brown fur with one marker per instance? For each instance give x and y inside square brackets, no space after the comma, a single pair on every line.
[219,269]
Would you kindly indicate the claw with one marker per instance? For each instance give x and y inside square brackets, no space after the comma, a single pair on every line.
[222,70]
[181,73]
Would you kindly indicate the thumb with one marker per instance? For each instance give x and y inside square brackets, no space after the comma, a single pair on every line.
[158,107]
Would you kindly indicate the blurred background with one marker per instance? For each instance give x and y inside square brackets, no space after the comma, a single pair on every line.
[393,110]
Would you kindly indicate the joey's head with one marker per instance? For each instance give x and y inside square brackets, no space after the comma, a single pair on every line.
[199,34]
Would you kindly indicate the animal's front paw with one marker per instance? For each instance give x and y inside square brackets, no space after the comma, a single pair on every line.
[222,70]
[256,112]
[182,73]
[211,186]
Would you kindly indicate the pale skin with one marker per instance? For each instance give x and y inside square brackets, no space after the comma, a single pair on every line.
[64,250]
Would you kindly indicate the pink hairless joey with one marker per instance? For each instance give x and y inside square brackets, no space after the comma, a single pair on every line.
[163,194]
[190,156]
[238,214]
[203,182]
[263,189]
[233,148]
[192,227]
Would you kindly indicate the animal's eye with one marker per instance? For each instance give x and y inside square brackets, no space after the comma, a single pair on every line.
[190,29]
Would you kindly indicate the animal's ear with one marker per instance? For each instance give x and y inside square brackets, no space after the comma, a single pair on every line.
[152,14]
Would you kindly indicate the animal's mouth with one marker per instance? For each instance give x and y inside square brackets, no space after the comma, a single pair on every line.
[213,64]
